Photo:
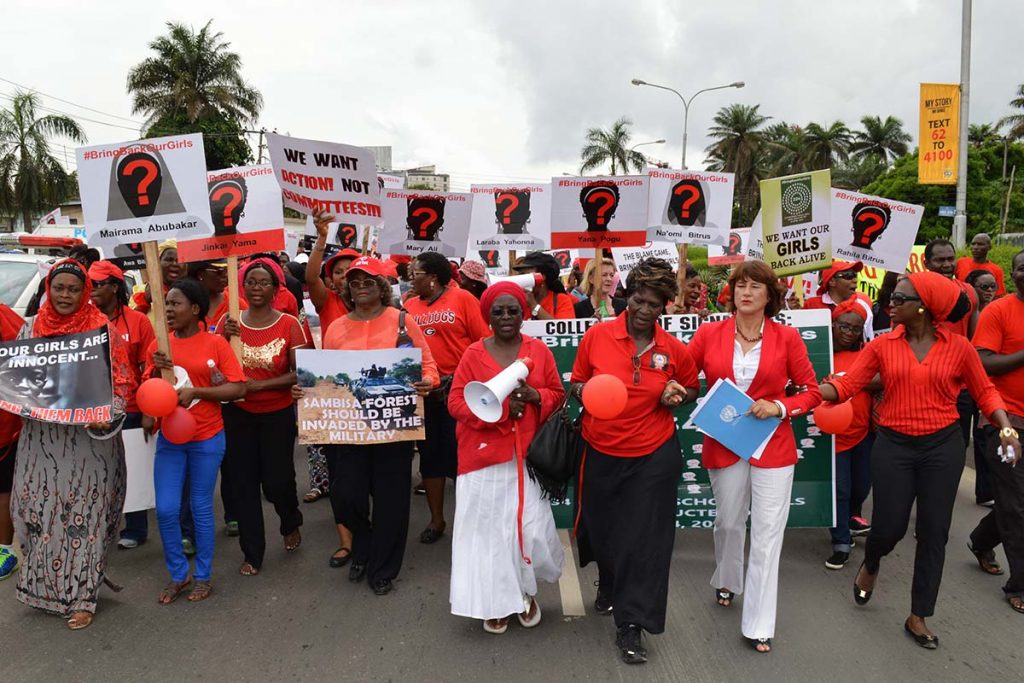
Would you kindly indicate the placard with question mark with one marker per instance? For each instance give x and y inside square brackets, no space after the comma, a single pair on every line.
[876,231]
[593,212]
[510,217]
[416,221]
[690,207]
[146,190]
[247,212]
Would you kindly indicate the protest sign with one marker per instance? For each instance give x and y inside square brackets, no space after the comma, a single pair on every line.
[416,221]
[876,231]
[54,218]
[734,251]
[808,285]
[495,262]
[812,498]
[795,222]
[139,455]
[245,204]
[939,141]
[599,211]
[627,257]
[870,279]
[565,257]
[510,217]
[755,242]
[339,235]
[58,379]
[387,181]
[689,207]
[359,397]
[326,176]
[142,191]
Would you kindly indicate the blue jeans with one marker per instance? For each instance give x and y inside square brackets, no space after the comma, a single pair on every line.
[853,483]
[200,462]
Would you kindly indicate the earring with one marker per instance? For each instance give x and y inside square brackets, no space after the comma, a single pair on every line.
[920,310]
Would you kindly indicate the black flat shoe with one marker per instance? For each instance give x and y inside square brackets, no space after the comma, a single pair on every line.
[927,642]
[723,595]
[755,642]
[603,602]
[357,572]
[861,596]
[339,562]
[629,641]
[382,587]
[431,535]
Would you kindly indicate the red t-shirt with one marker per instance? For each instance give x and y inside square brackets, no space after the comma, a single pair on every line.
[966,264]
[332,309]
[192,354]
[266,355]
[1001,330]
[451,323]
[644,423]
[563,309]
[214,317]
[843,361]
[10,424]
[137,333]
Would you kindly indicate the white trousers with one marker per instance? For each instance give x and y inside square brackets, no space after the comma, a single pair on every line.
[763,494]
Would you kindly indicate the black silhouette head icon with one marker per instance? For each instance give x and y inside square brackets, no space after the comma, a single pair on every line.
[490,258]
[139,179]
[686,204]
[424,217]
[599,201]
[227,204]
[512,211]
[346,235]
[869,222]
[735,244]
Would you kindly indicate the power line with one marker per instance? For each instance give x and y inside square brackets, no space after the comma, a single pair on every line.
[74,104]
[75,116]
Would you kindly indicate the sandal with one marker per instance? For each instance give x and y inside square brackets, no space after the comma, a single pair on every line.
[172,590]
[1016,603]
[313,496]
[292,541]
[986,560]
[431,535]
[496,626]
[758,643]
[724,597]
[79,620]
[247,569]
[200,591]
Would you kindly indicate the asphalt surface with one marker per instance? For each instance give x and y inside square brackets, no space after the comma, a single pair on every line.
[301,620]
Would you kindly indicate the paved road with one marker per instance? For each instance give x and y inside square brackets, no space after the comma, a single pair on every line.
[300,620]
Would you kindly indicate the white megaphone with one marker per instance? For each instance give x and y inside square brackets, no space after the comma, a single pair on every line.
[527,281]
[485,398]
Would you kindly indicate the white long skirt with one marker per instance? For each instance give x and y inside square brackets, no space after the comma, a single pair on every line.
[489,576]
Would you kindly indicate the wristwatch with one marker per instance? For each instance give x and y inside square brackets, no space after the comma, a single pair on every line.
[536,310]
[1008,433]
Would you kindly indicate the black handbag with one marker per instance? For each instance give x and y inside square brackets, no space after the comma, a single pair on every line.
[552,456]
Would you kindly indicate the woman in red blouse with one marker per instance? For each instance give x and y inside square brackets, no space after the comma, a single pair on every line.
[501,518]
[919,450]
[261,430]
[629,473]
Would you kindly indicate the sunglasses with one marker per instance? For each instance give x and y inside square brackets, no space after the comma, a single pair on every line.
[987,288]
[636,370]
[362,284]
[846,275]
[900,299]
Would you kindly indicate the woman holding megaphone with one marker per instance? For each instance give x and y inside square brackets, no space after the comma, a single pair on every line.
[626,489]
[504,539]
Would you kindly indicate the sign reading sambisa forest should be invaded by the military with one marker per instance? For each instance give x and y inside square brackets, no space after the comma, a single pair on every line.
[812,502]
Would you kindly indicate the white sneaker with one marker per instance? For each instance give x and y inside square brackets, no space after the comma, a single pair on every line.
[127,544]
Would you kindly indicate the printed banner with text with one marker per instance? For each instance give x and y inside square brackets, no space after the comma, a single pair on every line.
[627,257]
[879,232]
[58,379]
[689,207]
[938,147]
[795,222]
[599,211]
[510,217]
[416,221]
[359,397]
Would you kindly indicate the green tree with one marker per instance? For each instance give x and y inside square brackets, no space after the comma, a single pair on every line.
[738,136]
[406,371]
[856,173]
[224,140]
[611,147]
[32,181]
[784,150]
[827,145]
[885,140]
[1015,121]
[981,134]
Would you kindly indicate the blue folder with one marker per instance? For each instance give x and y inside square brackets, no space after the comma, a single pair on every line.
[722,415]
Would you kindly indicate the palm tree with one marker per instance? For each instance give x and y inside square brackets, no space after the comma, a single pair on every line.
[31,178]
[611,146]
[981,134]
[737,148]
[1015,121]
[192,74]
[785,150]
[884,139]
[825,146]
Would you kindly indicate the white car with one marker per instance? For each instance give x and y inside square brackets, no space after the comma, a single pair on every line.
[19,279]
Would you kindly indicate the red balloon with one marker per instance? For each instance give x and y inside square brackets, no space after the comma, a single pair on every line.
[604,396]
[156,397]
[833,418]
[178,427]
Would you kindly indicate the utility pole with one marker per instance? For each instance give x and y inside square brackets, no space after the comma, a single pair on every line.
[1006,208]
[259,159]
[960,219]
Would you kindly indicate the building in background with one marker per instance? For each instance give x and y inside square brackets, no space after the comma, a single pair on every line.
[426,177]
[382,157]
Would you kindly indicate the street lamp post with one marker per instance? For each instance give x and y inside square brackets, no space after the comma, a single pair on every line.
[641,144]
[686,103]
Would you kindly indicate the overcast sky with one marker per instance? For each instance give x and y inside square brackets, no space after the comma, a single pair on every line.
[505,90]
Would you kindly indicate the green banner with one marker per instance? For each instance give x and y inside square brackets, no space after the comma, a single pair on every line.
[812,503]
[795,222]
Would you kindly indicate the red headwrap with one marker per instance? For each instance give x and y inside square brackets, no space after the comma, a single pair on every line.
[938,294]
[284,300]
[837,267]
[104,270]
[50,323]
[851,305]
[496,290]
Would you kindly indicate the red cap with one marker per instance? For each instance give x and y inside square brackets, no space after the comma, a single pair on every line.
[400,258]
[344,253]
[104,270]
[368,265]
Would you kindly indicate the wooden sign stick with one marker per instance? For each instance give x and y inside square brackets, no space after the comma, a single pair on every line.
[155,276]
[234,308]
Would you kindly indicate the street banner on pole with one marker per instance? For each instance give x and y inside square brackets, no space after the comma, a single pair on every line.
[876,231]
[594,212]
[511,217]
[795,222]
[689,207]
[938,148]
[416,221]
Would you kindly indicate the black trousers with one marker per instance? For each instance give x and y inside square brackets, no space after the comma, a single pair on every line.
[383,471]
[628,525]
[926,469]
[260,460]
[1005,523]
[969,414]
[439,452]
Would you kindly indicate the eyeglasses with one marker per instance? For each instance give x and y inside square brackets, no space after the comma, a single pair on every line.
[262,284]
[850,329]
[846,275]
[368,283]
[417,273]
[987,288]
[900,299]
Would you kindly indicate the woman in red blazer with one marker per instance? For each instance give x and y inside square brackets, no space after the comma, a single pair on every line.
[762,357]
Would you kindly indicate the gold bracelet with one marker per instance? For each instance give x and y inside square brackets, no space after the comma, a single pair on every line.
[1008,433]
